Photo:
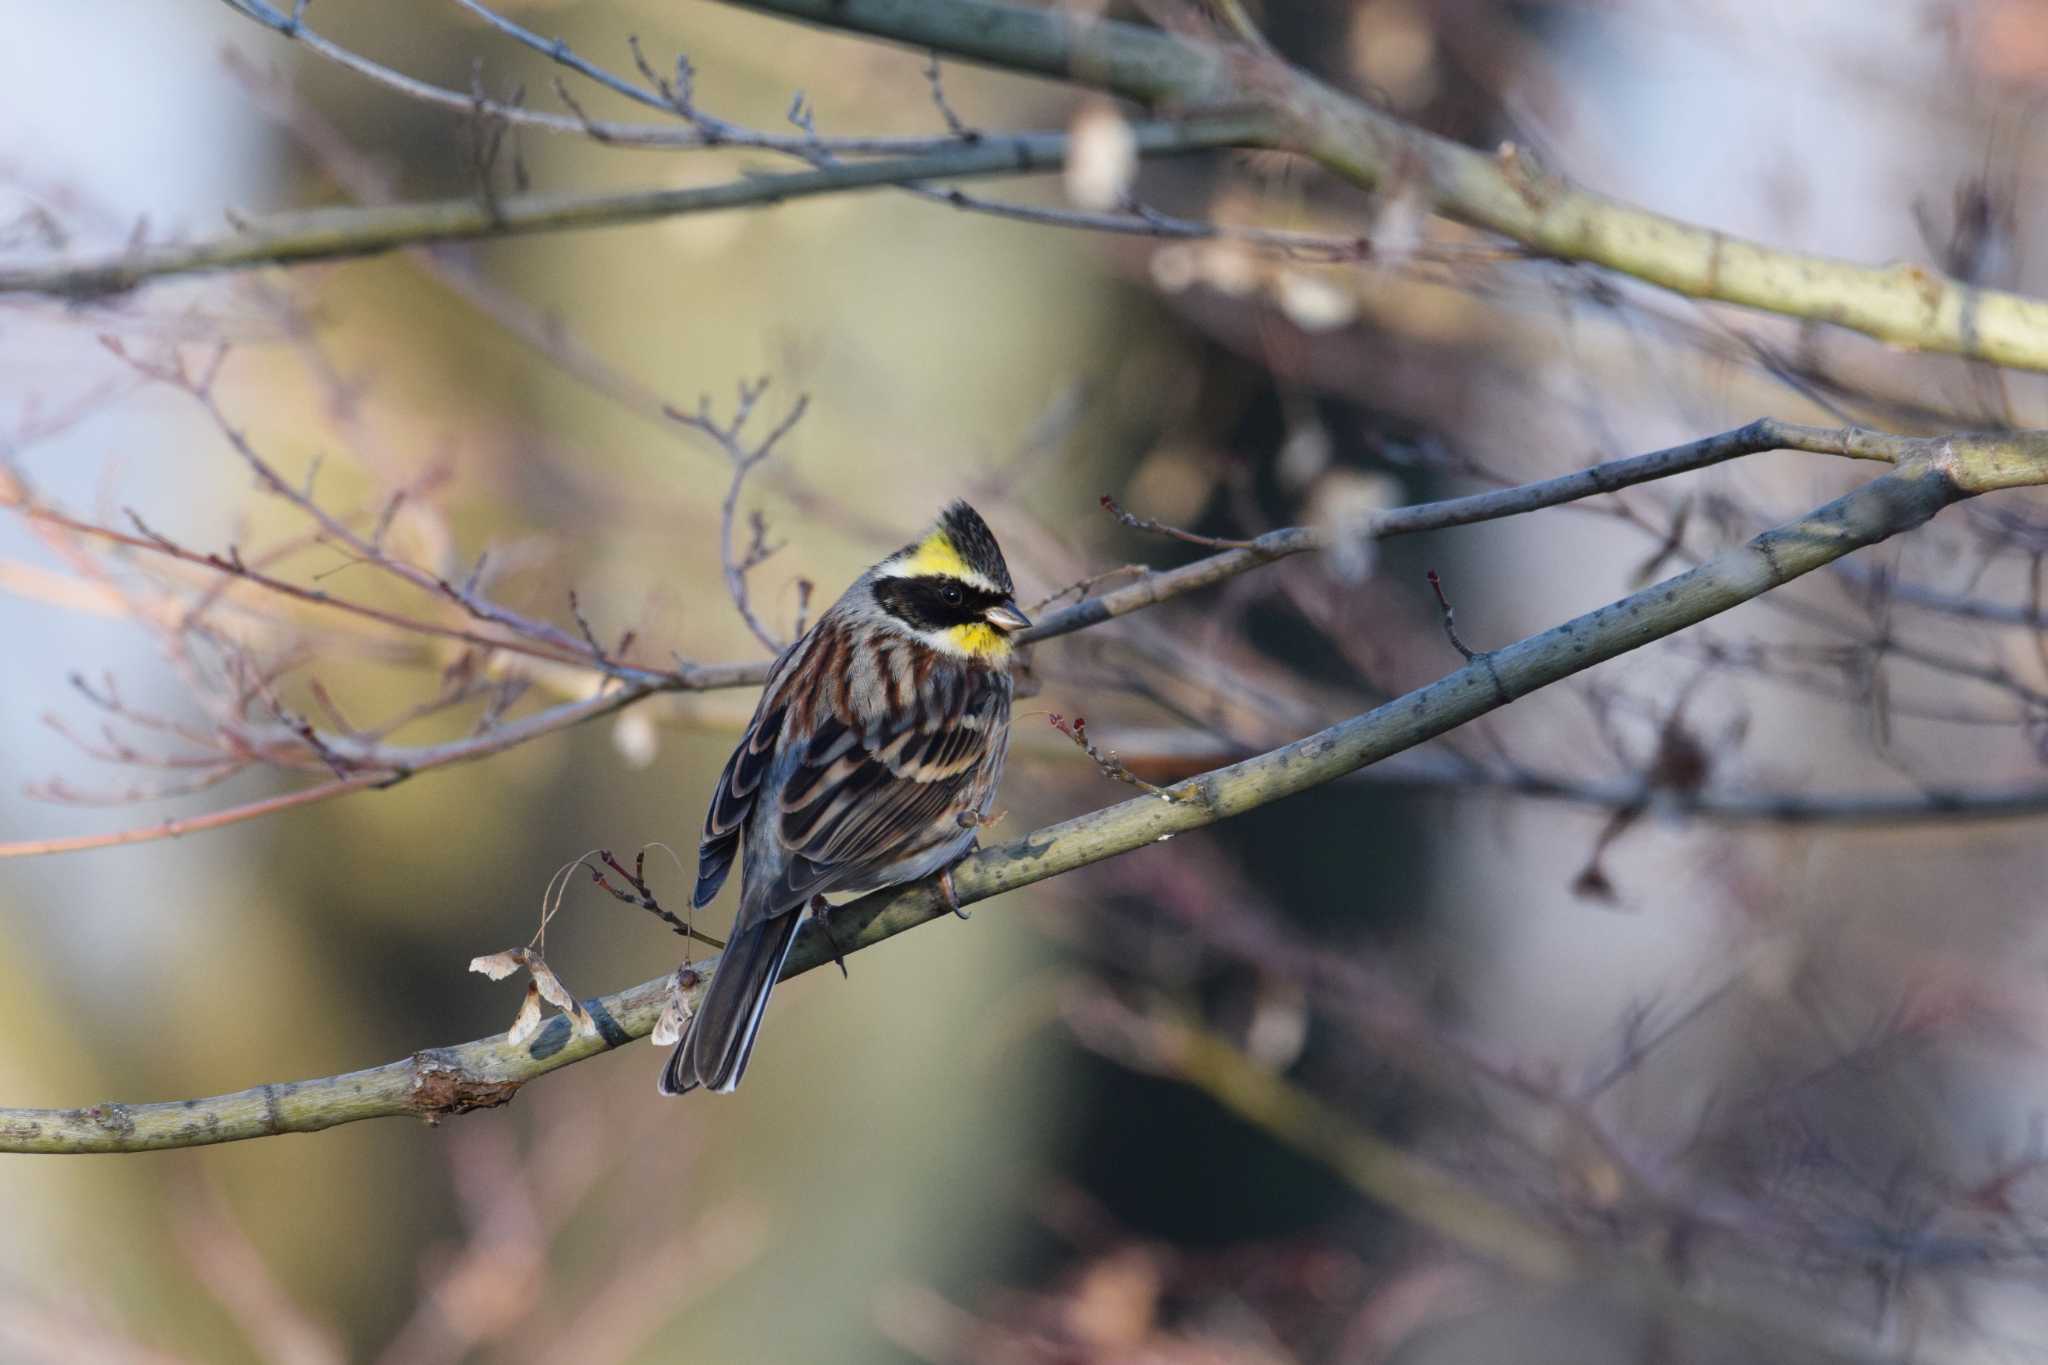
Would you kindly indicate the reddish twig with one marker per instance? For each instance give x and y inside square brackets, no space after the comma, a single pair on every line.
[373,765]
[1105,759]
[644,897]
[468,597]
[172,829]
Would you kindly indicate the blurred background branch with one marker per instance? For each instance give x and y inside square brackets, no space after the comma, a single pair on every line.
[332,234]
[1509,193]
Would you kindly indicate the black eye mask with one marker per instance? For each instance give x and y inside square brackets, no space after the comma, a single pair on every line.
[934,601]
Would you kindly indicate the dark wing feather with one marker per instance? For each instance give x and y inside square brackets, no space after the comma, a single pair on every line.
[737,787]
[867,800]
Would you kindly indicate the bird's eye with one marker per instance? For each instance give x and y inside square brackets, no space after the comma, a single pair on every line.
[951,595]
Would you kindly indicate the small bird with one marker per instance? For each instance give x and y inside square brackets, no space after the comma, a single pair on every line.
[871,760]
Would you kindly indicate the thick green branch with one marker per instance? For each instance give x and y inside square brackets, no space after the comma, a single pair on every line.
[336,233]
[1905,304]
[488,1072]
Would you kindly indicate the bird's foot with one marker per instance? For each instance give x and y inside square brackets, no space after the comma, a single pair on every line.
[949,895]
[821,911]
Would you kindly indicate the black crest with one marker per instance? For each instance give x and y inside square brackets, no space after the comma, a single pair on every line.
[976,544]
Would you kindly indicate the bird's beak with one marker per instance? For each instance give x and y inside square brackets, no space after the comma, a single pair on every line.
[1005,617]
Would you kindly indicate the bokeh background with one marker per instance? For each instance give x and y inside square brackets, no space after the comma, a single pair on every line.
[936,1158]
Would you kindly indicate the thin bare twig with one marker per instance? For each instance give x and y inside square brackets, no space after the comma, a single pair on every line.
[1138,523]
[730,439]
[1106,759]
[954,123]
[1450,617]
[643,896]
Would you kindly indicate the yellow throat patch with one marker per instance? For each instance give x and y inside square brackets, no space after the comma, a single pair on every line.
[979,641]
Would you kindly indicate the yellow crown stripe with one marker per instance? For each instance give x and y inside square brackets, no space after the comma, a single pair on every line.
[935,555]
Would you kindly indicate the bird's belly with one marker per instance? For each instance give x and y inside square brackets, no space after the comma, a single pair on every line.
[912,868]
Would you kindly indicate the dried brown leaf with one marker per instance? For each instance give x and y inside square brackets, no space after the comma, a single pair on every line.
[551,988]
[527,1022]
[668,1029]
[498,966]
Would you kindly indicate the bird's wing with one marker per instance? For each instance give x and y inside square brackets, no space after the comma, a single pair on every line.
[741,781]
[867,799]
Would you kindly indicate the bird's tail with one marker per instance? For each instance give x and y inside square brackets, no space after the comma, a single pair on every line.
[720,1037]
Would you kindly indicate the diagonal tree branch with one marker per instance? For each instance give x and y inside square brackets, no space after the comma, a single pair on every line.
[1903,303]
[488,1072]
[338,233]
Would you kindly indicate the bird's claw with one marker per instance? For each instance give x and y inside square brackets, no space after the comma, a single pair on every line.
[949,895]
[821,911]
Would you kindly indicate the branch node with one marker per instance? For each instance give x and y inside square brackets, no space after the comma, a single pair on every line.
[439,1090]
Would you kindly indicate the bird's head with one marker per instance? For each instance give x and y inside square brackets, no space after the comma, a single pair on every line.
[952,589]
